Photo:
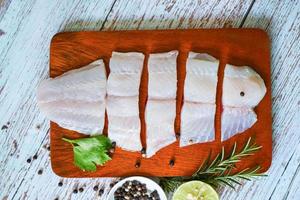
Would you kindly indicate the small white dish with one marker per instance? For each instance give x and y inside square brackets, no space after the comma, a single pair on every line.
[151,185]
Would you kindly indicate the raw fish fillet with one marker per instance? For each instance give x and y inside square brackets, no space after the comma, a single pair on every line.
[242,79]
[243,89]
[161,106]
[125,74]
[236,120]
[122,100]
[199,107]
[201,78]
[76,99]
[162,70]
[160,115]
[197,123]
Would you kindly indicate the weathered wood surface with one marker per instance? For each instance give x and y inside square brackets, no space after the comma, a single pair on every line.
[26,28]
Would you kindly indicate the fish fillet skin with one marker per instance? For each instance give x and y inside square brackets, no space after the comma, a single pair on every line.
[159,117]
[162,79]
[242,79]
[236,120]
[201,78]
[76,99]
[197,123]
[125,74]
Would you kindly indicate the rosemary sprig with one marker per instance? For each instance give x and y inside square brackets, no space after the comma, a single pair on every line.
[218,172]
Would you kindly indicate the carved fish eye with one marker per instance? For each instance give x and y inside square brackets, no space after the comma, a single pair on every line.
[242,93]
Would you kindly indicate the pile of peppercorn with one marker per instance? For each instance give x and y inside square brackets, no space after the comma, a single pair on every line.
[135,190]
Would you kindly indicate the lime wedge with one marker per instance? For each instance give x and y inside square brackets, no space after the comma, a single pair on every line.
[195,190]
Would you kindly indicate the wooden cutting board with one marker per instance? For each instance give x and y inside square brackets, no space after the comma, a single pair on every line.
[249,47]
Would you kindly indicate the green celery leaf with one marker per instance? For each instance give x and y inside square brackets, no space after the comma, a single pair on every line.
[89,152]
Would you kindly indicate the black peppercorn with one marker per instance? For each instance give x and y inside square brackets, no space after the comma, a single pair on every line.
[75,191]
[40,171]
[29,160]
[113,144]
[35,157]
[81,189]
[172,162]
[60,184]
[101,191]
[137,164]
[95,188]
[242,93]
[143,152]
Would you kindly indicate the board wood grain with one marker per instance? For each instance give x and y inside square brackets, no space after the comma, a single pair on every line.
[234,46]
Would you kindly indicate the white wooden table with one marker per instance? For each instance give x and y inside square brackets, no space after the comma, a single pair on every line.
[26,28]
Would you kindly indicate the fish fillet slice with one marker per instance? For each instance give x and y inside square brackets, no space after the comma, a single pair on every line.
[122,100]
[201,78]
[243,89]
[125,74]
[161,106]
[76,99]
[236,120]
[199,107]
[242,79]
[162,70]
[160,115]
[197,123]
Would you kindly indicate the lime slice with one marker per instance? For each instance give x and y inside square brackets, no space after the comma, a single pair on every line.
[195,190]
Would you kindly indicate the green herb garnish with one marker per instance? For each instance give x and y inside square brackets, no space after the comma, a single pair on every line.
[218,171]
[89,152]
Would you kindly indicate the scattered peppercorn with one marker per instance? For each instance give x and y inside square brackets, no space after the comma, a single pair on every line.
[8,123]
[137,164]
[95,188]
[101,191]
[81,189]
[35,157]
[172,162]
[60,184]
[56,198]
[29,160]
[38,126]
[40,171]
[143,152]
[113,144]
[242,93]
[75,191]
[4,127]
[48,148]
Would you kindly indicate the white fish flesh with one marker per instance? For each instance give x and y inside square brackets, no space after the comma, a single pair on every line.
[199,107]
[125,74]
[162,70]
[122,100]
[124,122]
[76,99]
[161,106]
[243,89]
[197,123]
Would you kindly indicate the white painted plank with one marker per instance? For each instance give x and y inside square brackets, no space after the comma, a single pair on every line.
[24,59]
[281,19]
[170,14]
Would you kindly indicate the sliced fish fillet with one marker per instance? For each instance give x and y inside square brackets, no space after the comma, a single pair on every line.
[125,74]
[161,106]
[199,107]
[159,116]
[236,120]
[122,100]
[201,78]
[243,89]
[197,123]
[162,70]
[76,99]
